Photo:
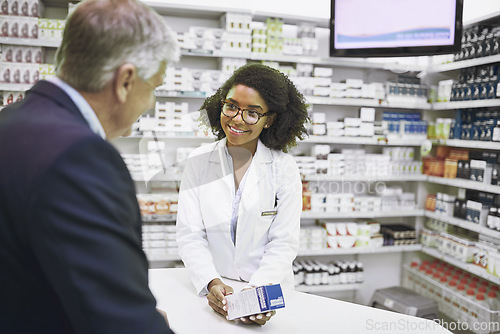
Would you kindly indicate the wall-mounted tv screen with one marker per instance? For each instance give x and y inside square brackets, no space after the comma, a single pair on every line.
[384,28]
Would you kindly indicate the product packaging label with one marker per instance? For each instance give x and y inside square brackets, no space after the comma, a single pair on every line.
[253,301]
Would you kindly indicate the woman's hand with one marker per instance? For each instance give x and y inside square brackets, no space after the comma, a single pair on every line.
[216,296]
[259,319]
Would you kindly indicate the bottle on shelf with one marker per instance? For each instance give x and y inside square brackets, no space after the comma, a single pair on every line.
[360,275]
[308,274]
[491,220]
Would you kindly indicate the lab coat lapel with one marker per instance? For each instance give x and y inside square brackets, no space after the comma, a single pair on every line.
[256,173]
[222,168]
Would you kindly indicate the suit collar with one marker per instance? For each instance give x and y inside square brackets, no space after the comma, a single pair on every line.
[59,96]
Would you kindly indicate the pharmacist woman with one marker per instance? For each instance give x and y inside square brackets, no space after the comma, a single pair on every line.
[240,198]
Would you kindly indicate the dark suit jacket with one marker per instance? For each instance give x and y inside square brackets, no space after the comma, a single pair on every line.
[70,228]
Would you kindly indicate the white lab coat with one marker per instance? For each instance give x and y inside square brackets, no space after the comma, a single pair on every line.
[267,234]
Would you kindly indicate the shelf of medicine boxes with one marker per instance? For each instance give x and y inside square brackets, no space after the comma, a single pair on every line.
[359,250]
[30,42]
[467,184]
[338,62]
[323,215]
[159,218]
[327,288]
[15,87]
[365,178]
[469,267]
[355,102]
[466,104]
[463,224]
[458,65]
[381,140]
[485,145]
[352,215]
[349,102]
[322,252]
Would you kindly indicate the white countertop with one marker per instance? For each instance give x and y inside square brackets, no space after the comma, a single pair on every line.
[303,313]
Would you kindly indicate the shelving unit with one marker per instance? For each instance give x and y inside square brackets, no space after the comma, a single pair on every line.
[469,267]
[324,252]
[390,257]
[483,145]
[461,183]
[328,288]
[354,102]
[458,65]
[375,141]
[359,250]
[364,178]
[434,74]
[463,224]
[466,104]
[30,42]
[353,215]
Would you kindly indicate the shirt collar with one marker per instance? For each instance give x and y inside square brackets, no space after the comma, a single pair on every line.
[82,105]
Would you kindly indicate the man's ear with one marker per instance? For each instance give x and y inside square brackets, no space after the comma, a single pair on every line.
[126,76]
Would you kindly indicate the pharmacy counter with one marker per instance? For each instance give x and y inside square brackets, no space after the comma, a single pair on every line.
[303,313]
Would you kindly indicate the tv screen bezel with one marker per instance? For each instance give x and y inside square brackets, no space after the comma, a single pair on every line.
[399,51]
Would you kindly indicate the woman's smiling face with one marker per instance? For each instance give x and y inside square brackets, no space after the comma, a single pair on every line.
[239,133]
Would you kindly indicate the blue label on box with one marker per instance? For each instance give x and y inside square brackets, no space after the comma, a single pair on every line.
[270,297]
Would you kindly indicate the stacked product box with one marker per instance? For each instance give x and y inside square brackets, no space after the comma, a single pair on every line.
[174,119]
[398,234]
[312,237]
[478,124]
[136,164]
[154,205]
[19,19]
[259,37]
[170,119]
[406,125]
[274,34]
[407,89]
[238,36]
[461,247]
[476,83]
[309,42]
[487,254]
[204,38]
[185,80]
[229,65]
[20,64]
[387,199]
[473,206]
[352,234]
[158,240]
[51,29]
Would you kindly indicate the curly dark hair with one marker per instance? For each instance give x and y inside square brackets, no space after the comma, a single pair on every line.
[281,96]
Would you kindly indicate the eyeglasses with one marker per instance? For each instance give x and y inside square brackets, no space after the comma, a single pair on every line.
[249,116]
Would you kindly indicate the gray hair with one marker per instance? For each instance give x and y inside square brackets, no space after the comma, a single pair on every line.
[102,35]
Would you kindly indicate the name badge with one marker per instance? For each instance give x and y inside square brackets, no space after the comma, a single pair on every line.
[269,213]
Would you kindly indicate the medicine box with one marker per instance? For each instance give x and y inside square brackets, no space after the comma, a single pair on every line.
[262,299]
